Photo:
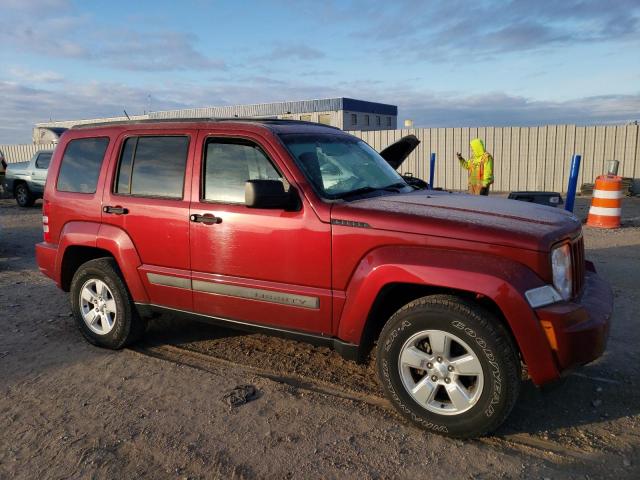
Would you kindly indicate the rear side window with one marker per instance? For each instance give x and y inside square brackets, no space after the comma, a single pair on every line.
[80,167]
[43,160]
[229,164]
[152,166]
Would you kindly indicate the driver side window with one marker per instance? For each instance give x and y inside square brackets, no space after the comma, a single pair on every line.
[43,161]
[228,164]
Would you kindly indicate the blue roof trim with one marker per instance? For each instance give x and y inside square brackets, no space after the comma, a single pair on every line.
[281,108]
[369,107]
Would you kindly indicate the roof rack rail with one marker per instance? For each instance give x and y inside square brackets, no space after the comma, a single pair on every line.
[267,121]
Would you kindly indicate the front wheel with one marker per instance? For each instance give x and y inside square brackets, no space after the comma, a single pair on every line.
[449,366]
[24,197]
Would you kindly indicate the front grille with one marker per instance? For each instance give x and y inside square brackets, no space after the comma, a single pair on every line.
[577,264]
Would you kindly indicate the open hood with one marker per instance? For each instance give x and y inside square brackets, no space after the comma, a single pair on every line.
[396,153]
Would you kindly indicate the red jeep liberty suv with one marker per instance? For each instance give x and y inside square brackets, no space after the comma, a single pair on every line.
[303,230]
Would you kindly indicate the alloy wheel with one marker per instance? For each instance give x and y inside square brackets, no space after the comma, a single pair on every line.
[441,372]
[97,306]
[21,195]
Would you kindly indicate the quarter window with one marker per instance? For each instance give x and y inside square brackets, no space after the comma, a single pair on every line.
[228,164]
[43,161]
[152,166]
[80,167]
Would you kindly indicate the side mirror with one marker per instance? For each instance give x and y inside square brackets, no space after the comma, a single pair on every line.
[266,194]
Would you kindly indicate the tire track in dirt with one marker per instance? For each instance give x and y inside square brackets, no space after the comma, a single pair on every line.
[211,364]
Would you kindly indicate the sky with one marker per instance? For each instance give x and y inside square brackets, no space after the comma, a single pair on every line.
[444,63]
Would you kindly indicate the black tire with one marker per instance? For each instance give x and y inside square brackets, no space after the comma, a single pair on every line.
[484,335]
[24,197]
[127,326]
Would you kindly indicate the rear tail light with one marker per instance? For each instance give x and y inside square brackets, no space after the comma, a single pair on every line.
[45,221]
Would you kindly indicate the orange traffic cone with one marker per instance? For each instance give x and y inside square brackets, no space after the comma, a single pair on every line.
[606,204]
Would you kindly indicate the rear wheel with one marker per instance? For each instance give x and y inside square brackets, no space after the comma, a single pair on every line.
[102,307]
[449,366]
[24,198]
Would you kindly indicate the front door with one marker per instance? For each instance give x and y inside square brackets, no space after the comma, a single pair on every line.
[259,266]
[149,200]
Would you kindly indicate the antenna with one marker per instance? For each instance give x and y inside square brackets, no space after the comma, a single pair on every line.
[126,114]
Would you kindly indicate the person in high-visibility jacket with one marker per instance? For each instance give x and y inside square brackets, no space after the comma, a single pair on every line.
[480,168]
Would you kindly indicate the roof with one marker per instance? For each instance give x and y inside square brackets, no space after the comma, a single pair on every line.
[276,125]
[281,108]
[257,110]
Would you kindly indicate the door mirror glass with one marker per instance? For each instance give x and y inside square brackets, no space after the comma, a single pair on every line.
[266,194]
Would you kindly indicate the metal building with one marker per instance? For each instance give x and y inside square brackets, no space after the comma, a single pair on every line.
[344,113]
[45,133]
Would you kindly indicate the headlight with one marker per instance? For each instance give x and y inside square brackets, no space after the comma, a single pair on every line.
[561,266]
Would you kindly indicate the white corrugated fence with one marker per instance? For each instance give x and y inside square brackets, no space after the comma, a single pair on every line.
[526,158]
[22,153]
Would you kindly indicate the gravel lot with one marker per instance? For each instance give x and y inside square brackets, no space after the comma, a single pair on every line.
[68,409]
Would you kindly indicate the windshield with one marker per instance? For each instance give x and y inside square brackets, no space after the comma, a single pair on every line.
[339,166]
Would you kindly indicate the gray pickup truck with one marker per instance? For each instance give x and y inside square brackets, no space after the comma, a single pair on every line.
[25,180]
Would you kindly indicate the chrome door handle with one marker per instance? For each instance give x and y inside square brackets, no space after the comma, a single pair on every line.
[115,210]
[207,219]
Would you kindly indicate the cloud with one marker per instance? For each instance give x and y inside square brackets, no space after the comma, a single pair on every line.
[457,28]
[22,106]
[508,110]
[271,60]
[159,51]
[48,37]
[310,66]
[26,75]
[67,35]
[35,5]
[295,52]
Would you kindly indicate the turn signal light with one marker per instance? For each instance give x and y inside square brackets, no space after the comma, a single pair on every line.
[550,333]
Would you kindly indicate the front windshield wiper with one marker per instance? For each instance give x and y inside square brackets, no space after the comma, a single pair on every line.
[394,187]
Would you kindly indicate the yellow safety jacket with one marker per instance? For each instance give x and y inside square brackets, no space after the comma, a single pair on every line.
[480,166]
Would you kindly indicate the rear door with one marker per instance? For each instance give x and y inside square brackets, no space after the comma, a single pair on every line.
[261,266]
[148,198]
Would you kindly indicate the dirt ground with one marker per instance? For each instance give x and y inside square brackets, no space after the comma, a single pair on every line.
[71,410]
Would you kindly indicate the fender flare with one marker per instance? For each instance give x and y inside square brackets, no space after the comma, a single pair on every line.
[74,234]
[501,280]
[112,239]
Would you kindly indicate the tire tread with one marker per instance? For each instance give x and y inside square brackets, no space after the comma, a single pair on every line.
[505,345]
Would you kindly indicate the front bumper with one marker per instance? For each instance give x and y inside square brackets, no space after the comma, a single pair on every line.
[577,331]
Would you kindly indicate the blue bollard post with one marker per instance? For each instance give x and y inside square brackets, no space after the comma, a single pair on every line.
[573,182]
[432,170]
